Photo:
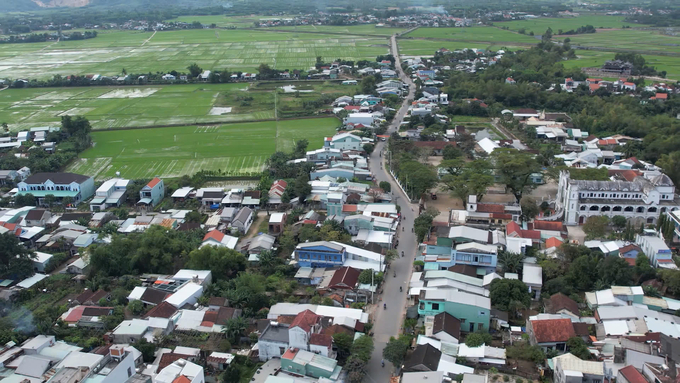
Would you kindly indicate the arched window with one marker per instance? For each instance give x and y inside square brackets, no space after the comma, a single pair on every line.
[616,208]
[640,209]
[628,209]
[583,207]
[594,208]
[605,208]
[651,210]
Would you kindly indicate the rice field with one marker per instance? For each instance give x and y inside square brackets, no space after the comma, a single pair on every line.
[588,58]
[630,39]
[235,149]
[473,34]
[117,107]
[212,49]
[540,25]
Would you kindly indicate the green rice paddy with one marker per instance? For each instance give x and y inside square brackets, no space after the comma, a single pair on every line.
[212,49]
[540,25]
[235,149]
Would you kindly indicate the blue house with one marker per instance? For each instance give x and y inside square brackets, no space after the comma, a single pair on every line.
[473,311]
[59,185]
[152,193]
[484,257]
[320,254]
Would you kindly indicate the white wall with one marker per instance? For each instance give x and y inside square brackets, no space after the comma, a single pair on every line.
[268,350]
[298,338]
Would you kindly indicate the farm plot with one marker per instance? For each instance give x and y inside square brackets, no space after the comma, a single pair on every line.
[117,107]
[473,34]
[540,25]
[234,149]
[631,40]
[218,49]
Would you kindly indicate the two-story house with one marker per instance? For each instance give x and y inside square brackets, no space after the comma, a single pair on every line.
[152,193]
[303,333]
[60,185]
[473,311]
[320,254]
[110,194]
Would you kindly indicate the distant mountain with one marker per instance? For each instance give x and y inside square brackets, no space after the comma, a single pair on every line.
[33,5]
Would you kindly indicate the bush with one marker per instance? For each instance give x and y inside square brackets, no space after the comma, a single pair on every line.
[519,380]
[224,345]
[506,378]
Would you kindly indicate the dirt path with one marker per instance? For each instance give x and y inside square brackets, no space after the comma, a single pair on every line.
[254,228]
[149,39]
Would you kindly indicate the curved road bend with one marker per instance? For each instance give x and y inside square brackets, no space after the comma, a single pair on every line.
[388,322]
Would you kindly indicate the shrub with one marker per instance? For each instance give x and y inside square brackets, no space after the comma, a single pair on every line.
[506,378]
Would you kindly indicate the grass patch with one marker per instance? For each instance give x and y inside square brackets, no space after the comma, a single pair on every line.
[589,58]
[630,39]
[234,149]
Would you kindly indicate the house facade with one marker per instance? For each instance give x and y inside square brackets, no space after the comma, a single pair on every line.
[347,141]
[473,311]
[320,254]
[638,196]
[153,192]
[60,185]
[110,194]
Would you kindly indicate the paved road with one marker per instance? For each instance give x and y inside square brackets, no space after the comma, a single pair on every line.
[387,322]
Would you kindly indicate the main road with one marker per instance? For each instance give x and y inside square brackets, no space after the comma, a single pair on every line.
[387,322]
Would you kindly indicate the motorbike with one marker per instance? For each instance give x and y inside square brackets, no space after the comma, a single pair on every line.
[400,289]
[385,306]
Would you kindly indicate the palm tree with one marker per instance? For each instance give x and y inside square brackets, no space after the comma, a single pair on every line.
[510,262]
[234,328]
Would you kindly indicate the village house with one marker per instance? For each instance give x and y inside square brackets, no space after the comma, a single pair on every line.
[152,193]
[550,334]
[61,185]
[473,311]
[110,194]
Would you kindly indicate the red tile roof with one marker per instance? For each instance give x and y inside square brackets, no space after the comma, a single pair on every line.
[629,83]
[661,96]
[552,242]
[608,141]
[553,330]
[289,354]
[632,375]
[214,234]
[628,175]
[512,227]
[548,225]
[630,261]
[352,107]
[490,208]
[305,320]
[321,340]
[349,208]
[593,87]
[153,182]
[628,248]
[181,379]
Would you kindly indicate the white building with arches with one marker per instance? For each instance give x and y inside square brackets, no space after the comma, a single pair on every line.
[637,195]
